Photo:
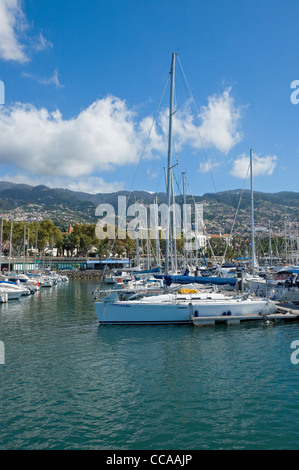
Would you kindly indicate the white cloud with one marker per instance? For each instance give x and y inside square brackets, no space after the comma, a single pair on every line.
[207,166]
[41,43]
[104,136]
[91,185]
[53,80]
[101,137]
[13,24]
[260,165]
[12,21]
[218,124]
[152,174]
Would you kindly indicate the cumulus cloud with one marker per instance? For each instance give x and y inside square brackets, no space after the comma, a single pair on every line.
[12,21]
[217,127]
[261,165]
[13,24]
[100,138]
[104,136]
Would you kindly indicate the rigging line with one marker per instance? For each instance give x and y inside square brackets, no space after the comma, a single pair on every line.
[147,140]
[138,166]
[234,221]
[188,89]
[204,229]
[176,132]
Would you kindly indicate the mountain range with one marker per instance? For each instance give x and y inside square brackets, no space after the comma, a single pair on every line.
[221,210]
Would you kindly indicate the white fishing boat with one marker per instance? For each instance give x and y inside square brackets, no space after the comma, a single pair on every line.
[183,305]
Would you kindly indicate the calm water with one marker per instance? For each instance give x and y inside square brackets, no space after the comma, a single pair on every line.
[69,384]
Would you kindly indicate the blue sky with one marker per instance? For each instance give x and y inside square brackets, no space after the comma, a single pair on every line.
[86,93]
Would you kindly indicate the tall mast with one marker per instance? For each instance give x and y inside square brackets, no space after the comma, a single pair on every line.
[185,220]
[252,219]
[1,245]
[10,246]
[270,244]
[158,255]
[169,169]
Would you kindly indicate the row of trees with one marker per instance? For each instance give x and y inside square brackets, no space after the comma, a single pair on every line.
[44,236]
[82,241]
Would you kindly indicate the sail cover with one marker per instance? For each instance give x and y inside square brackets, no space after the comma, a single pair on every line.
[219,281]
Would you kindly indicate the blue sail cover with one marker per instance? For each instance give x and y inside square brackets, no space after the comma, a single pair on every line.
[219,281]
[148,271]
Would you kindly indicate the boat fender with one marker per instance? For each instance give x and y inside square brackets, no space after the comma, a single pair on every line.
[123,286]
[196,313]
[229,313]
[224,314]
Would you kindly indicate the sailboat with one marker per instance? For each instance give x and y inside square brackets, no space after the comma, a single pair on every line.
[281,285]
[182,305]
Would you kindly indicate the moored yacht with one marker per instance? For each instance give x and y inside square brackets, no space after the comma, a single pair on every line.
[182,306]
[178,307]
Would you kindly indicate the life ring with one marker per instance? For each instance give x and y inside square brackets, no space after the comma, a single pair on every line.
[119,279]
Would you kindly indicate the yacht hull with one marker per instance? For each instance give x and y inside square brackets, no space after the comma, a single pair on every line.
[177,313]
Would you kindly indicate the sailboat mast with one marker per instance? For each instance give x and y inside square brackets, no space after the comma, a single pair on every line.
[185,219]
[1,245]
[252,218]
[169,168]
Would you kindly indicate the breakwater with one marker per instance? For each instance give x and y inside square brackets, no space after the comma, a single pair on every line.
[83,274]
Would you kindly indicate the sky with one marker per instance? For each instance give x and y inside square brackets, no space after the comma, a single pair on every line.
[84,94]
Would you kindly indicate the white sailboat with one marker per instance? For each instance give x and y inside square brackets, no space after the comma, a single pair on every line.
[185,304]
[178,308]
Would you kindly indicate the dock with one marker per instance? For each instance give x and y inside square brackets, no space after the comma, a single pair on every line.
[285,312]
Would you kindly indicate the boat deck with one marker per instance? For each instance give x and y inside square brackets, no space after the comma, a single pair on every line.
[285,312]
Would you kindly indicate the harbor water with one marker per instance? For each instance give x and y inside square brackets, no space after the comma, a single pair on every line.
[68,383]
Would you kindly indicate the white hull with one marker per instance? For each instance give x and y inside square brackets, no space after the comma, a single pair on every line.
[3,297]
[11,294]
[177,311]
[129,313]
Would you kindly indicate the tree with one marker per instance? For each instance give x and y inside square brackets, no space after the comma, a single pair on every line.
[48,235]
